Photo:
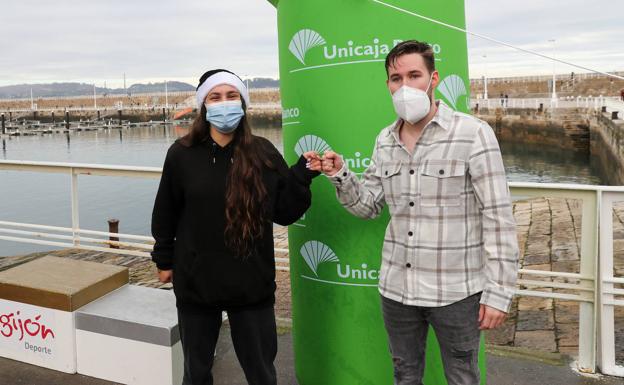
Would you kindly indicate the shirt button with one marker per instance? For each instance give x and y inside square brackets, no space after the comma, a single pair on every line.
[412,204]
[408,265]
[412,172]
[410,233]
[344,174]
[441,172]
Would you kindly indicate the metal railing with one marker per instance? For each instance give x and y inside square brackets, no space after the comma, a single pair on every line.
[593,287]
[544,78]
[74,236]
[589,102]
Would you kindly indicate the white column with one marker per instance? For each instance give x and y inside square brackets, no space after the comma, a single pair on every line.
[554,80]
[485,90]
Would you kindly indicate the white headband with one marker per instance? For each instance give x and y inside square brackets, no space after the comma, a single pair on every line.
[218,79]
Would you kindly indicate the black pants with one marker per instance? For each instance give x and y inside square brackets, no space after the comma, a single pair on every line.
[255,343]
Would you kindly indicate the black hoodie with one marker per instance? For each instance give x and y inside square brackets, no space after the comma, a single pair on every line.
[188,223]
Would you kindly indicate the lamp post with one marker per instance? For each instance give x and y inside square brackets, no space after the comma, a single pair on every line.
[485,90]
[166,96]
[554,80]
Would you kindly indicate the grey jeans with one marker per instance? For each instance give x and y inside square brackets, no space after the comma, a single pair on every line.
[456,327]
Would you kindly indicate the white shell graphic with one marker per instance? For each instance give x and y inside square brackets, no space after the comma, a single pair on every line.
[315,253]
[311,143]
[452,87]
[303,41]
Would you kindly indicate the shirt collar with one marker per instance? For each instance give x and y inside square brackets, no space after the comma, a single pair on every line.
[444,115]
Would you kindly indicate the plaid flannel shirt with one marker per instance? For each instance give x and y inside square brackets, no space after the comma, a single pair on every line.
[451,232]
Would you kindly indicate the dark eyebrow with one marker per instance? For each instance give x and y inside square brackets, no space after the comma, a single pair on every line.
[415,72]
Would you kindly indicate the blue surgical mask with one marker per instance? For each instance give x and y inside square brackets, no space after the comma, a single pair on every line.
[225,116]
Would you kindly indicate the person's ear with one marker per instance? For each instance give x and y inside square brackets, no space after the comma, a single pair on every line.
[435,79]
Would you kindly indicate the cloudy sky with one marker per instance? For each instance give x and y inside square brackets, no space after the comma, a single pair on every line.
[98,41]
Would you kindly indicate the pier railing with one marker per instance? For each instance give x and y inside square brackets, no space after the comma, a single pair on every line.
[544,78]
[588,102]
[594,287]
[75,236]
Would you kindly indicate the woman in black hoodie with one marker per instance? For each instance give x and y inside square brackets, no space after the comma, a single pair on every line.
[220,192]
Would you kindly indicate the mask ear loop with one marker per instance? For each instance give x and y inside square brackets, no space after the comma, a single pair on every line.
[429,85]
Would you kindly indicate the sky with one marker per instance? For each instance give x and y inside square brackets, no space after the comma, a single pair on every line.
[152,41]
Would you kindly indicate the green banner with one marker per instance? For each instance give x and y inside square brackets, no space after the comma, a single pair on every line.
[334,96]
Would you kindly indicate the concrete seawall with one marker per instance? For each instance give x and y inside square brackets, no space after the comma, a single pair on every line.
[580,130]
[567,129]
[607,146]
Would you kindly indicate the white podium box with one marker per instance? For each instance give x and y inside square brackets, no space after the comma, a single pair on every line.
[37,335]
[131,336]
[37,303]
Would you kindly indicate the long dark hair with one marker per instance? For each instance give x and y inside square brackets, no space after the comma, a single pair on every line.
[245,194]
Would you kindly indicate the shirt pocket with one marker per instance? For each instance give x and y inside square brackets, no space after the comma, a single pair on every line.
[391,181]
[442,182]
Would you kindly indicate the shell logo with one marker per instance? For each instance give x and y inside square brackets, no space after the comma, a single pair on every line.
[303,41]
[314,253]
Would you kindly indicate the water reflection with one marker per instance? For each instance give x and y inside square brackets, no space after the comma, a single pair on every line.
[546,164]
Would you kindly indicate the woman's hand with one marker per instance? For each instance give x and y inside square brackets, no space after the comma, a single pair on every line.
[314,160]
[165,276]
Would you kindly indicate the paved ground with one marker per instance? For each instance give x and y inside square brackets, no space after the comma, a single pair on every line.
[549,233]
[503,369]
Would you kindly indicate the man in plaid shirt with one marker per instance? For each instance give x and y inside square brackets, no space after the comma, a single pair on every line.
[450,253]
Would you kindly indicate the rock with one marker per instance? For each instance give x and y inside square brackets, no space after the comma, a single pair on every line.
[565,252]
[540,340]
[535,259]
[535,303]
[568,335]
[503,335]
[535,320]
[566,312]
[570,351]
[566,267]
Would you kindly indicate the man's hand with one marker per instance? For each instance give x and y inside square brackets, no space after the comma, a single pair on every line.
[490,318]
[332,163]
[165,276]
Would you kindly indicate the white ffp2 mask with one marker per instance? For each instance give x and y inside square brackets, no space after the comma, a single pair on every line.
[412,104]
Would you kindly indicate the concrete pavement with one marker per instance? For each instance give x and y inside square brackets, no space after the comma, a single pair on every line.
[505,367]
